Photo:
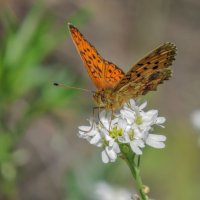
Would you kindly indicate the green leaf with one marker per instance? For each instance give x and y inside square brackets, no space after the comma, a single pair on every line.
[5,147]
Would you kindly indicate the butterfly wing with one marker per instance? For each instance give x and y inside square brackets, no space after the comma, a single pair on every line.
[104,74]
[146,74]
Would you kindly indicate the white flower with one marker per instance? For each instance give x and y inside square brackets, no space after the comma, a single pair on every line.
[105,191]
[132,125]
[195,119]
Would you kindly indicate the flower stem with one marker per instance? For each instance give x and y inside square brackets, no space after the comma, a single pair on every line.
[133,162]
[140,186]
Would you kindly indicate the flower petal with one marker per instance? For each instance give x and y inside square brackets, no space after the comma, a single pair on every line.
[116,148]
[122,123]
[155,144]
[96,139]
[156,141]
[84,128]
[110,152]
[128,115]
[160,120]
[124,138]
[156,137]
[104,157]
[143,105]
[140,143]
[135,148]
[111,142]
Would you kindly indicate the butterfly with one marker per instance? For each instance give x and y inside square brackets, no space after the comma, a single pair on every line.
[114,87]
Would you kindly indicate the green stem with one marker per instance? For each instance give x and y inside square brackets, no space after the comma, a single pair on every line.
[133,164]
[139,184]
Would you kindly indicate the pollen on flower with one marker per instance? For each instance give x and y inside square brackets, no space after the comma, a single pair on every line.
[116,132]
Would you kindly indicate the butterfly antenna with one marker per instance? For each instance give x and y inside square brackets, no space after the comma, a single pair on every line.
[71,87]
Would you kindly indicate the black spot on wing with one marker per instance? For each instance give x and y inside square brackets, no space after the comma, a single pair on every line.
[155,67]
[82,52]
[153,76]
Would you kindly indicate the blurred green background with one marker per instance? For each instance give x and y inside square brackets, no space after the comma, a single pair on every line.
[41,157]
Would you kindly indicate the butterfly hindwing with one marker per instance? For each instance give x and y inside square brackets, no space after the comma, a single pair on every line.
[146,74]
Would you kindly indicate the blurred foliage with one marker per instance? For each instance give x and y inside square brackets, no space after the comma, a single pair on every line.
[26,85]
[91,172]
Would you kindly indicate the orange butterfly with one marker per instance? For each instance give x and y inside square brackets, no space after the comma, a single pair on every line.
[114,87]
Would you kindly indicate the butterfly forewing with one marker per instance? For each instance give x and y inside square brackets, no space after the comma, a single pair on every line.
[146,74]
[104,74]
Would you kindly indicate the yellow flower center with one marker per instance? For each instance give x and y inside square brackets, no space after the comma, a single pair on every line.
[116,132]
[138,119]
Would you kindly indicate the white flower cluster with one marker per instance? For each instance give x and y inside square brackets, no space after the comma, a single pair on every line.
[132,125]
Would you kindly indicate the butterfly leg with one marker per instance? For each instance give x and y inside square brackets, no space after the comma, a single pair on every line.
[93,117]
[99,109]
[111,117]
[93,120]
